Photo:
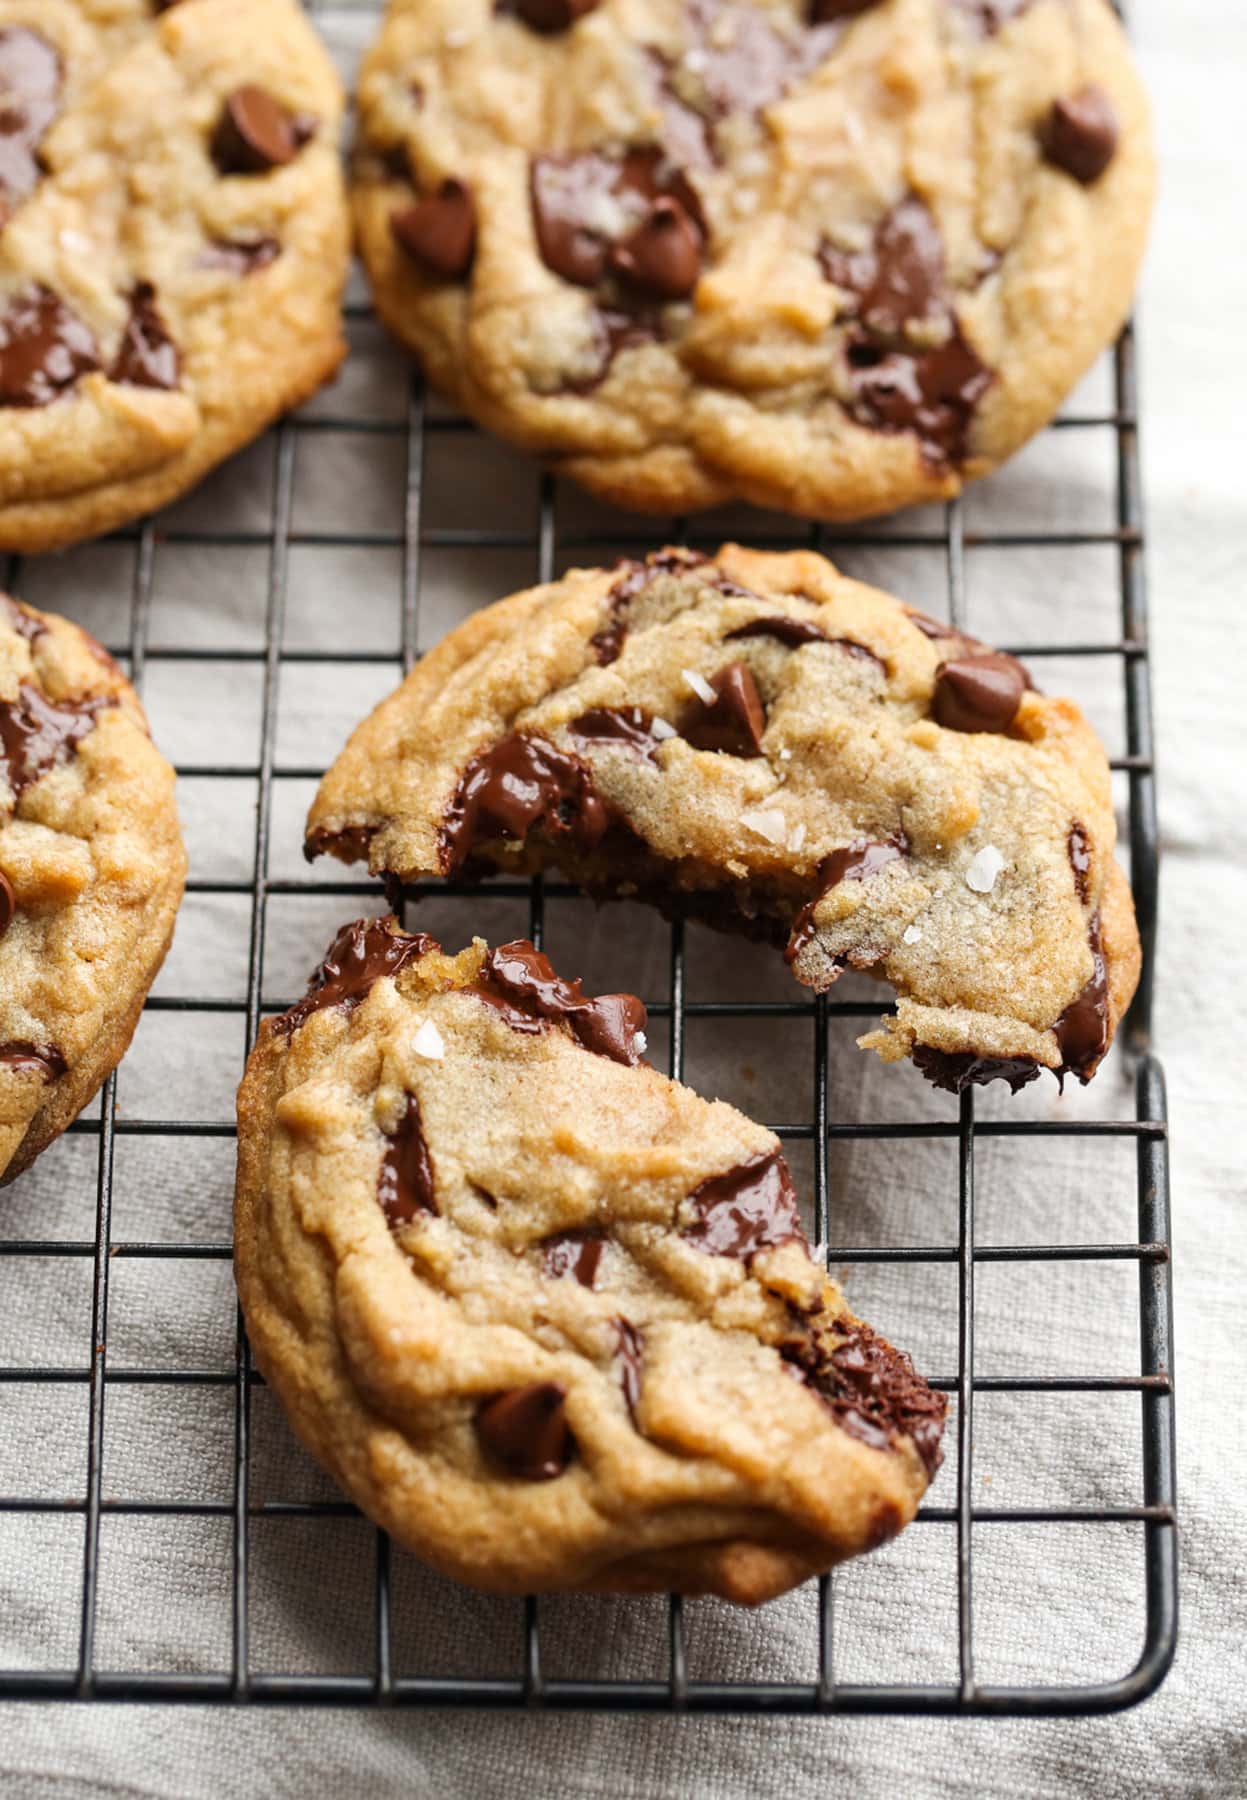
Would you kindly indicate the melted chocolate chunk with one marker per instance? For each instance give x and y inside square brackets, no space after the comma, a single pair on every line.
[935,629]
[1080,134]
[574,1253]
[990,15]
[899,279]
[932,393]
[872,1390]
[26,624]
[1078,849]
[857,861]
[980,691]
[662,257]
[631,579]
[30,92]
[439,232]
[734,721]
[350,844]
[256,133]
[148,357]
[823,11]
[241,256]
[956,1070]
[37,734]
[521,983]
[518,783]
[33,1059]
[630,726]
[548,16]
[614,331]
[1082,1029]
[570,195]
[44,349]
[628,1351]
[360,955]
[525,1430]
[8,903]
[405,1182]
[795,632]
[750,1208]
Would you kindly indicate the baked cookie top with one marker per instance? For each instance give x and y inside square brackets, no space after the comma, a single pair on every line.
[828,256]
[91,873]
[759,742]
[173,244]
[548,1316]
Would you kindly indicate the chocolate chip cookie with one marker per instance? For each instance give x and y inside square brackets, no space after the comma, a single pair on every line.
[91,873]
[825,255]
[550,1318]
[756,741]
[173,244]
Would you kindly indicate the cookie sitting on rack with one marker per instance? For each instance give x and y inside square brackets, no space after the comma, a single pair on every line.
[758,742]
[831,256]
[549,1317]
[91,873]
[173,246]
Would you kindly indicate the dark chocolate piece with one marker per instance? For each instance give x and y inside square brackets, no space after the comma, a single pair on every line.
[628,1351]
[574,1253]
[405,1184]
[256,133]
[749,1208]
[631,578]
[872,1390]
[8,903]
[360,955]
[661,258]
[547,16]
[521,983]
[956,1070]
[857,861]
[1082,1029]
[147,357]
[439,232]
[932,393]
[33,1059]
[241,256]
[795,632]
[935,629]
[519,783]
[822,12]
[37,734]
[350,844]
[568,193]
[630,726]
[734,721]
[899,279]
[980,691]
[17,617]
[30,92]
[1078,849]
[526,1431]
[1080,134]
[44,349]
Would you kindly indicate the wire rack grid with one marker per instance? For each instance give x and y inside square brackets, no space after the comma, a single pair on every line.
[678,1688]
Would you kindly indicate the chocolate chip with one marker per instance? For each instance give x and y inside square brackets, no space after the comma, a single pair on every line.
[629,1346]
[872,1390]
[785,629]
[571,195]
[932,393]
[630,726]
[857,861]
[37,734]
[1078,849]
[148,357]
[241,256]
[553,15]
[44,349]
[439,232]
[526,1431]
[899,279]
[614,331]
[351,843]
[256,133]
[822,12]
[360,955]
[8,903]
[32,1059]
[929,627]
[21,620]
[405,1181]
[574,1253]
[30,91]
[1082,1030]
[632,578]
[662,257]
[749,1208]
[979,692]
[521,983]
[518,783]
[956,1070]
[734,721]
[1080,134]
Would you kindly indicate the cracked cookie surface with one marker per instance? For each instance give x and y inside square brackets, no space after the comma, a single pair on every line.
[549,1317]
[832,259]
[173,245]
[91,873]
[757,741]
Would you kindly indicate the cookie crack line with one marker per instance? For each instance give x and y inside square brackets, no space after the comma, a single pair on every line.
[759,744]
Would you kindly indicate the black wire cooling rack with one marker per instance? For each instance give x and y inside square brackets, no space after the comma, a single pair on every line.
[678,1688]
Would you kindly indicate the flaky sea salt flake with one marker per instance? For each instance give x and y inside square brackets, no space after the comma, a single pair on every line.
[698,685]
[985,866]
[428,1042]
[767,822]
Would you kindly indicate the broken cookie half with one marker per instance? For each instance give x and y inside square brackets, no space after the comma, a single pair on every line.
[758,742]
[549,1317]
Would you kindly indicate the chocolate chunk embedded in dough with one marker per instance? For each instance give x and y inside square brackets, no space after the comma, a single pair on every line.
[439,232]
[1080,134]
[44,349]
[526,1431]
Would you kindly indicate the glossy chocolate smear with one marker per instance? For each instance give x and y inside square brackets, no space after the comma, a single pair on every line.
[629,1347]
[521,983]
[37,734]
[899,279]
[8,903]
[822,11]
[361,954]
[519,783]
[795,632]
[979,692]
[749,1208]
[1080,134]
[548,16]
[1082,1029]
[857,861]
[574,1253]
[662,257]
[932,393]
[525,1430]
[614,331]
[632,578]
[734,721]
[1078,849]
[439,232]
[630,726]
[33,1059]
[256,133]
[935,629]
[585,204]
[872,1390]
[30,92]
[25,623]
[44,349]
[241,256]
[405,1181]
[148,357]
[956,1070]
[350,844]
